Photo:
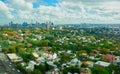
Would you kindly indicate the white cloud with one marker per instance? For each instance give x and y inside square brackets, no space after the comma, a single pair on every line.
[31,1]
[5,11]
[20,4]
[66,11]
[3,7]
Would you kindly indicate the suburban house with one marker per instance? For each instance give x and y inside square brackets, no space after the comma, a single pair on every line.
[36,56]
[117,60]
[85,71]
[75,62]
[101,63]
[31,65]
[109,57]
[14,58]
[49,55]
[89,63]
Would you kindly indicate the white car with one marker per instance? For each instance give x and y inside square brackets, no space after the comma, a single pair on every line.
[9,65]
[18,70]
[5,73]
[13,69]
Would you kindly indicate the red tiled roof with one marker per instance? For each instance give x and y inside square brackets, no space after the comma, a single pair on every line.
[109,57]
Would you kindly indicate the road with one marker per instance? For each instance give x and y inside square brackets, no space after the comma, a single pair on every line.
[2,68]
[6,67]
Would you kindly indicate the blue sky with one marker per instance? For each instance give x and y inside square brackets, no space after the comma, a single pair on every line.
[4,0]
[37,3]
[60,11]
[45,2]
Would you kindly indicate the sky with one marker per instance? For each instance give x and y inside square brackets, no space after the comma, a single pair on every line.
[60,11]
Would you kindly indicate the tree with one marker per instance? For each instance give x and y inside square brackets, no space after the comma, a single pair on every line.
[81,51]
[65,71]
[21,50]
[29,50]
[84,65]
[21,68]
[73,69]
[97,70]
[57,63]
[65,58]
[5,50]
[20,45]
[117,53]
[41,68]
[12,49]
[5,43]
[114,68]
[104,51]
[44,42]
[36,71]
[27,56]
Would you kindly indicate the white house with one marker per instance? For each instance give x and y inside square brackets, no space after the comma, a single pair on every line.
[117,60]
[35,55]
[101,63]
[14,58]
[51,63]
[31,65]
[74,62]
[50,56]
[41,60]
[89,63]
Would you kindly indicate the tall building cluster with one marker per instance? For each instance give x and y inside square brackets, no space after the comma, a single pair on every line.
[46,25]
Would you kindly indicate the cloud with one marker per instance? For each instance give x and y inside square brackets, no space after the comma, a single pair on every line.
[5,11]
[20,4]
[65,11]
[31,1]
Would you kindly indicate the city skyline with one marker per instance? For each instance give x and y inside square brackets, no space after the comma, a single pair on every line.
[60,11]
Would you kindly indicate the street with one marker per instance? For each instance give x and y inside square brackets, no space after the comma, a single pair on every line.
[6,67]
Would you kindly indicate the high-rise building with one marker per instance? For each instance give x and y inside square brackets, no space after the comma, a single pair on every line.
[47,26]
